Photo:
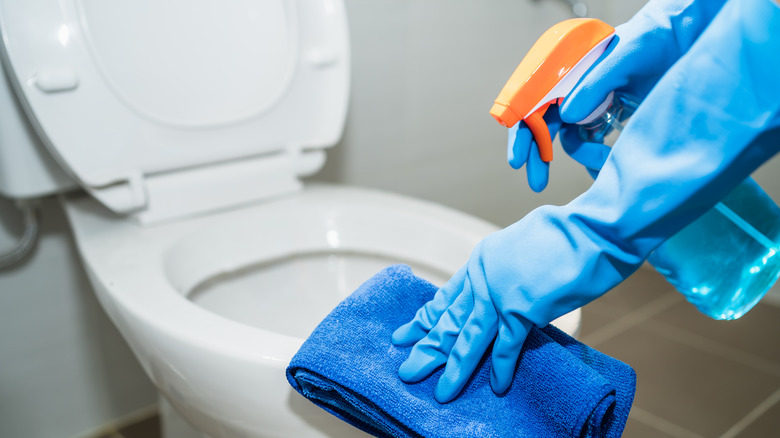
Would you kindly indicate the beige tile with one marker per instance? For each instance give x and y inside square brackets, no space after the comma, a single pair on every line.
[767,425]
[693,388]
[635,429]
[146,428]
[755,333]
[640,289]
[594,317]
[645,291]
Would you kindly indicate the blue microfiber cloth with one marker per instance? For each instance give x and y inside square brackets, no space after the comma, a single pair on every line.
[348,366]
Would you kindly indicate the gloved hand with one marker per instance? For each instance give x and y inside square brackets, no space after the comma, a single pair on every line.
[708,123]
[522,149]
[642,51]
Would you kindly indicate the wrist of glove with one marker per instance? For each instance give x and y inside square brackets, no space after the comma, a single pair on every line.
[514,279]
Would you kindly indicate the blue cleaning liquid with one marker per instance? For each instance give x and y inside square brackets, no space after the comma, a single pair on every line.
[725,261]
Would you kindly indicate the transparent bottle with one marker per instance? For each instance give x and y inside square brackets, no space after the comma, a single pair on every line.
[725,261]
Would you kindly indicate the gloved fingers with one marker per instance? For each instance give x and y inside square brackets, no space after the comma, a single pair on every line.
[641,52]
[428,315]
[518,144]
[592,172]
[537,171]
[478,333]
[474,340]
[604,76]
[520,139]
[523,149]
[432,351]
[590,155]
[512,332]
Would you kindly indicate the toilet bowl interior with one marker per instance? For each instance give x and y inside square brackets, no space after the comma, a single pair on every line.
[292,294]
[284,265]
[268,269]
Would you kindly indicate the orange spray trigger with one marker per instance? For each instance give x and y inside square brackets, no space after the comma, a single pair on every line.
[541,133]
[550,70]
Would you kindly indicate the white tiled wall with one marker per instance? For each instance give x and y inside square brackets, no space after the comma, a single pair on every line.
[425,74]
[424,77]
[64,368]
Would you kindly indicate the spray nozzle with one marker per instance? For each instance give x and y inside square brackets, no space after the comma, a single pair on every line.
[553,66]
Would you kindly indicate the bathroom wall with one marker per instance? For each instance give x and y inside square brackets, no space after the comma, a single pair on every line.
[424,76]
[64,369]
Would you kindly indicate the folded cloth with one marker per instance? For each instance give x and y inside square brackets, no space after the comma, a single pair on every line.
[348,366]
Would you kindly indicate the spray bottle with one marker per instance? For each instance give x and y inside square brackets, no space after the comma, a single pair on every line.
[725,261]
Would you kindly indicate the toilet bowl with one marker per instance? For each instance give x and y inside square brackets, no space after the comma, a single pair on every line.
[214,307]
[199,238]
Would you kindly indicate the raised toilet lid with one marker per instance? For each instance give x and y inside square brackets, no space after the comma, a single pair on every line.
[154,106]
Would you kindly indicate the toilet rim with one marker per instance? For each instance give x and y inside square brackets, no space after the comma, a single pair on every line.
[147,293]
[174,317]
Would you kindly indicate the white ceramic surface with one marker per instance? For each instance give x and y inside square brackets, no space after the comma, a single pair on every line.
[214,307]
[125,95]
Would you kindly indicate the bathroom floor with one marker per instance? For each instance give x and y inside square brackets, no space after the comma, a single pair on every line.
[696,377]
[146,427]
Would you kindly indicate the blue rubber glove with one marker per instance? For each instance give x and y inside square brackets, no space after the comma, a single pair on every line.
[642,51]
[522,149]
[711,120]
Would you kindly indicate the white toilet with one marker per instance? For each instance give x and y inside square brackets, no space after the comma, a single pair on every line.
[187,126]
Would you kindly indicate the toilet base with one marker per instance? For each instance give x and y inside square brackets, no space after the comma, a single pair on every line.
[173,425]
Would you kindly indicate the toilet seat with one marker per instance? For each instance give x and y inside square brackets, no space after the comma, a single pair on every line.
[155,113]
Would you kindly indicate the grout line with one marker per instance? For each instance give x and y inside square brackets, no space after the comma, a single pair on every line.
[112,428]
[660,424]
[631,319]
[111,433]
[107,430]
[136,416]
[753,415]
[713,347]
